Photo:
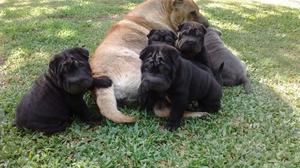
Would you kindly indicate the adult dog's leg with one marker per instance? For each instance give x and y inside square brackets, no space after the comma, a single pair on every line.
[107,104]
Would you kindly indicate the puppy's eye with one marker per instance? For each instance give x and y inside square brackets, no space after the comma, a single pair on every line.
[198,33]
[147,67]
[163,69]
[155,38]
[168,39]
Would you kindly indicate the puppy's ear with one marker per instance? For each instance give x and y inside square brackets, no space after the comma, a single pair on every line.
[144,53]
[215,30]
[180,26]
[54,63]
[151,32]
[174,36]
[173,56]
[218,32]
[203,28]
[221,68]
[85,52]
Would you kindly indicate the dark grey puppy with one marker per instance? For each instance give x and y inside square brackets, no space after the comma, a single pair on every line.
[57,95]
[166,73]
[234,71]
[156,36]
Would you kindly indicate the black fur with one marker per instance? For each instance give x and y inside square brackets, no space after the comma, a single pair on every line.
[164,72]
[156,36]
[57,95]
[191,44]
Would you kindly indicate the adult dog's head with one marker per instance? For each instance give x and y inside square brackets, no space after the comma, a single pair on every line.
[185,10]
[190,38]
[158,67]
[70,70]
[161,36]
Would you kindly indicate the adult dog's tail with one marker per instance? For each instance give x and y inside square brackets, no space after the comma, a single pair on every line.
[107,104]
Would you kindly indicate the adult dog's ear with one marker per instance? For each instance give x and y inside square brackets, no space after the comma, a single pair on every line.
[151,32]
[177,3]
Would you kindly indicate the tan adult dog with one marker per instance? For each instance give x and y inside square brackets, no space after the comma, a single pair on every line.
[118,55]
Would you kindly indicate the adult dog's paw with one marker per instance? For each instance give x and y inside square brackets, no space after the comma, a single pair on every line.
[102,82]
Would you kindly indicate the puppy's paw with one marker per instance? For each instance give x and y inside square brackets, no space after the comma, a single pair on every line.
[172,126]
[142,96]
[102,82]
[94,119]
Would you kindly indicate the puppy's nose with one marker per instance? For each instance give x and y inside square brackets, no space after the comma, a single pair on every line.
[191,43]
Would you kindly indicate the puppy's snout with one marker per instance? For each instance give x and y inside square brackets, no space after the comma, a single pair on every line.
[145,85]
[82,81]
[190,43]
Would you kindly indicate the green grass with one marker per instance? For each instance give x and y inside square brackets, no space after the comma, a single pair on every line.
[261,129]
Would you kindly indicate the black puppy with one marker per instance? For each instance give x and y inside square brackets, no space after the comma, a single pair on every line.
[190,42]
[57,95]
[166,73]
[158,36]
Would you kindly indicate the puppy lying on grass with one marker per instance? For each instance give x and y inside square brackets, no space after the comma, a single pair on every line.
[57,95]
[234,71]
[164,72]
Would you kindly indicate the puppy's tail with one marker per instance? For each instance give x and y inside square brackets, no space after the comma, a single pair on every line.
[107,104]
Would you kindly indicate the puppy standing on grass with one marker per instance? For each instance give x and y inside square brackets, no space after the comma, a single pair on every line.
[234,71]
[166,73]
[57,95]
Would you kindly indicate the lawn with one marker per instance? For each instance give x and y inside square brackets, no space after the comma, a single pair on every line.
[261,129]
